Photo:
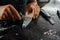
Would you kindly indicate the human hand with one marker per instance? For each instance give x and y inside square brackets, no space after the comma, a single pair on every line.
[9,12]
[32,8]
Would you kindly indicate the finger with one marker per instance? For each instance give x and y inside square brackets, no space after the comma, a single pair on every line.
[33,16]
[37,12]
[11,16]
[37,15]
[2,9]
[3,17]
[15,12]
[27,11]
[33,13]
[6,15]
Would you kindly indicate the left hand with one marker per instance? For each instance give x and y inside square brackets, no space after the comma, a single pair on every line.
[9,12]
[32,8]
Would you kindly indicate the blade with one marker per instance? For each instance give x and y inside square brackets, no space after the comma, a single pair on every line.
[27,21]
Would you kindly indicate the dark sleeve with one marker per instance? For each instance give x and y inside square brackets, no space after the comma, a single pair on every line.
[38,1]
[3,2]
[29,1]
[24,5]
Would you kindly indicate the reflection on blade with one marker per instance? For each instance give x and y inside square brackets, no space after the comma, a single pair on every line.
[27,21]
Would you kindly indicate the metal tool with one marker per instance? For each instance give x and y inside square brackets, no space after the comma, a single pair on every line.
[58,13]
[50,10]
[27,20]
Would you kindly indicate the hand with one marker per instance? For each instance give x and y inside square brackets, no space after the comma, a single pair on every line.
[32,8]
[9,12]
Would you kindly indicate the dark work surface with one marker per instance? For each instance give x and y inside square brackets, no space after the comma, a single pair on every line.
[35,31]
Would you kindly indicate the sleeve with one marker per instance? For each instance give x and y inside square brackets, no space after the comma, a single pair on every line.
[24,5]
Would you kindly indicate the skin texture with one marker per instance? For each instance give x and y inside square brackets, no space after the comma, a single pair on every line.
[9,12]
[32,8]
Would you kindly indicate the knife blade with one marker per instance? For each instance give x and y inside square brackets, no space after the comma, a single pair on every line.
[27,20]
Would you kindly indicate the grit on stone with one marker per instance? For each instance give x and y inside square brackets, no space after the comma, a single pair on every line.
[43,30]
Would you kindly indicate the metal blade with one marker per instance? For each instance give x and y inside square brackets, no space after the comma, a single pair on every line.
[27,21]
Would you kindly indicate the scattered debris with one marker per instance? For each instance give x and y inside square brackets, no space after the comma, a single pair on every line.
[17,34]
[52,34]
[41,39]
[1,36]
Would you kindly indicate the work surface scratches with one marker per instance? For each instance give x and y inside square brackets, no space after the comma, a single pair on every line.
[43,30]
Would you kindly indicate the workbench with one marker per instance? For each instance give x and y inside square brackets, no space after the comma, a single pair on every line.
[36,31]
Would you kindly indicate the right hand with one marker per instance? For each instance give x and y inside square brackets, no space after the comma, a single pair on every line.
[9,12]
[34,9]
